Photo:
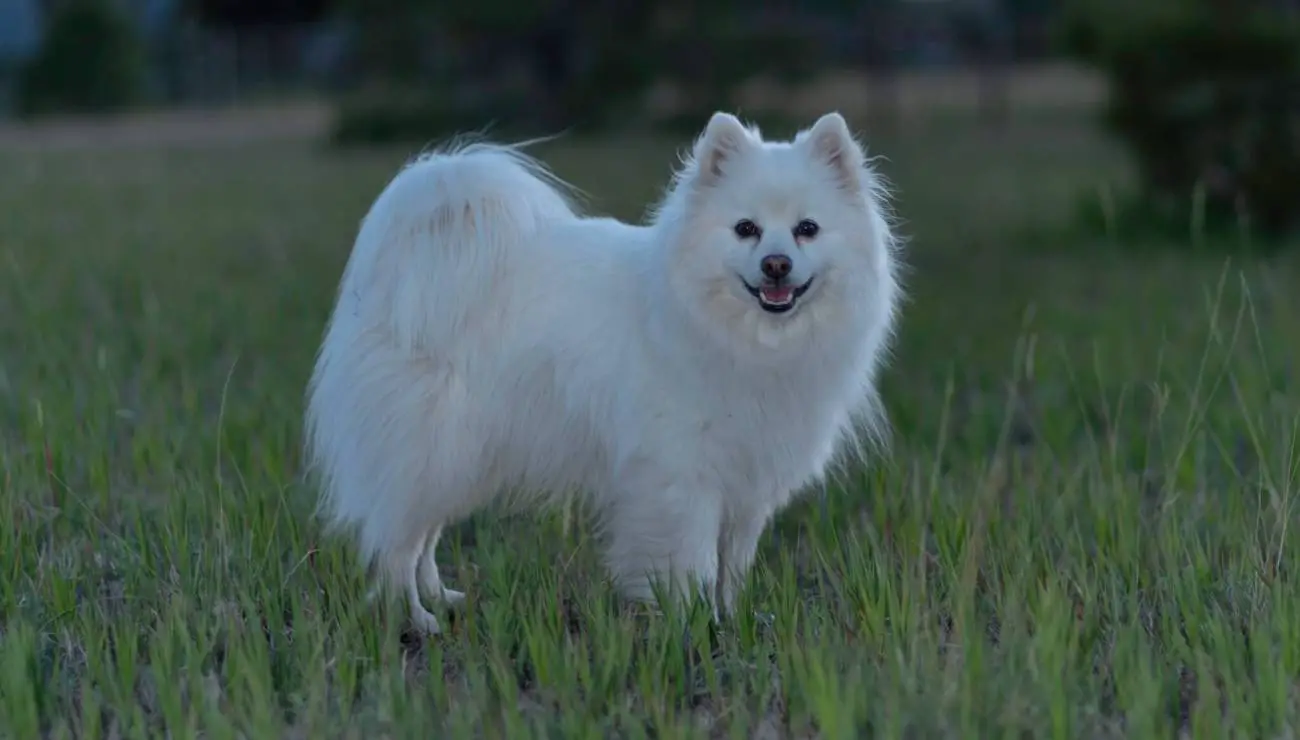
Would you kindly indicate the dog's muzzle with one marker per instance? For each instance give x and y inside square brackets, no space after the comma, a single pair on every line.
[777,297]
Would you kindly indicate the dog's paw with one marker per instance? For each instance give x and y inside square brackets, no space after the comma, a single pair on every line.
[452,598]
[425,621]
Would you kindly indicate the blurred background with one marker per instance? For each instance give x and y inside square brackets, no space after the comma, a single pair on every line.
[1075,169]
[553,63]
[1092,395]
[1074,172]
[1194,90]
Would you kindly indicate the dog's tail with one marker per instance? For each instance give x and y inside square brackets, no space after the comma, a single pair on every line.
[430,259]
[444,232]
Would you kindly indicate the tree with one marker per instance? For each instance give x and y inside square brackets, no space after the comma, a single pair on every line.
[90,61]
[252,13]
[1206,95]
[565,64]
[584,57]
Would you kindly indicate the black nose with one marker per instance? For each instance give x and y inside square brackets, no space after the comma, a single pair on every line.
[776,266]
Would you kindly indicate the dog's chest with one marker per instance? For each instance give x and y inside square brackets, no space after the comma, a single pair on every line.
[756,441]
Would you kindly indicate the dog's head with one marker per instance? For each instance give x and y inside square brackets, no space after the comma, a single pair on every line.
[769,240]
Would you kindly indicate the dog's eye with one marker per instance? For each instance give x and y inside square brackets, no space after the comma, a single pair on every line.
[806,229]
[746,229]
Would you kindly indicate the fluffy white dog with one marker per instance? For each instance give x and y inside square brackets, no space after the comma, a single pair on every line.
[688,376]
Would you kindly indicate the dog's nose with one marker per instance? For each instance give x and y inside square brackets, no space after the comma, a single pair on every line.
[776,266]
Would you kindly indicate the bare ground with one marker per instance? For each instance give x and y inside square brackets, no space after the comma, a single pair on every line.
[910,95]
[191,127]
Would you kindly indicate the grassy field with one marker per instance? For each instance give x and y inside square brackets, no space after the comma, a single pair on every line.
[1082,528]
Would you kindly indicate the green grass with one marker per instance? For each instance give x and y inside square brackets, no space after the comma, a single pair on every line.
[1083,528]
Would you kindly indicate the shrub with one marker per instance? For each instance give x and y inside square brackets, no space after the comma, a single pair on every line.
[1206,96]
[90,61]
[422,118]
[706,74]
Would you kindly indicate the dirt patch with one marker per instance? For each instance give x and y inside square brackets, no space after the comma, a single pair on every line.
[912,94]
[185,128]
[908,94]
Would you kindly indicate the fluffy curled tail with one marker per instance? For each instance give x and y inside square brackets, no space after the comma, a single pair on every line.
[431,258]
[443,232]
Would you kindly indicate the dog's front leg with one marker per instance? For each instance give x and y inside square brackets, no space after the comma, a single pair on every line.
[742,528]
[666,538]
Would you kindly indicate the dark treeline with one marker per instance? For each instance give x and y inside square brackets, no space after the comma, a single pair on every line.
[577,60]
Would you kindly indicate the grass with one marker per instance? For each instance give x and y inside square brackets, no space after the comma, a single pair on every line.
[1083,529]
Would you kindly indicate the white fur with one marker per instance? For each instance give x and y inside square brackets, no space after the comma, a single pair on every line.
[488,339]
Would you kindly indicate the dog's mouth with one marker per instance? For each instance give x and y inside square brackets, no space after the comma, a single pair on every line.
[777,297]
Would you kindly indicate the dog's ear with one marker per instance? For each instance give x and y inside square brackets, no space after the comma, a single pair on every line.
[723,138]
[831,143]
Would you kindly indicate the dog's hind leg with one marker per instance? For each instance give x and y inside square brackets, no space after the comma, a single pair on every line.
[424,620]
[429,579]
[415,567]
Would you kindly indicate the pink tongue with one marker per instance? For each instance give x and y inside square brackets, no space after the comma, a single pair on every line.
[776,295]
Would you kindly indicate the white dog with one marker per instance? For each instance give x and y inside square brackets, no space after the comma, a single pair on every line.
[688,376]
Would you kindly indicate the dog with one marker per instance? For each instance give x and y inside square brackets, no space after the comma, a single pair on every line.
[686,377]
